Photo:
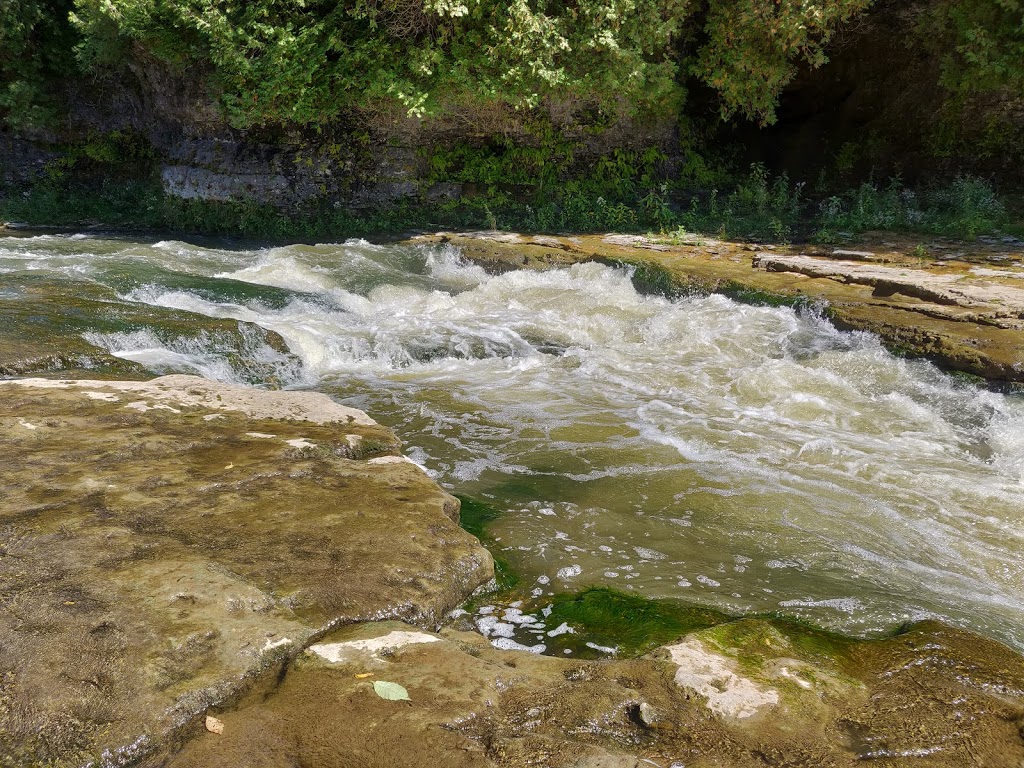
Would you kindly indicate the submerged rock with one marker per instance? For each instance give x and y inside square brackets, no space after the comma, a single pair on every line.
[931,696]
[165,546]
[66,328]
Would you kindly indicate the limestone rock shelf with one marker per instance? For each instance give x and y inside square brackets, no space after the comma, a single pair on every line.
[166,545]
[747,694]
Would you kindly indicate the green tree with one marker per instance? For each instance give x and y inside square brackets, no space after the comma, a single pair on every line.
[35,44]
[754,48]
[982,42]
[285,61]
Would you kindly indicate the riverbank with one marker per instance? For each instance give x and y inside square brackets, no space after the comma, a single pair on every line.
[746,695]
[748,204]
[167,545]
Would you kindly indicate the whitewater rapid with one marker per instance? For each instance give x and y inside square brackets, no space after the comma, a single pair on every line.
[751,458]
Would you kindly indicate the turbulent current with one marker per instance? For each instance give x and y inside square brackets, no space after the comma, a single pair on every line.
[748,458]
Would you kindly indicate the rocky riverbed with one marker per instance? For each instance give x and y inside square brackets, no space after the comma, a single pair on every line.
[197,573]
[746,694]
[165,545]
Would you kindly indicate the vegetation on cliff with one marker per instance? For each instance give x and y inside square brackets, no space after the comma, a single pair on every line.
[282,62]
[549,115]
[275,61]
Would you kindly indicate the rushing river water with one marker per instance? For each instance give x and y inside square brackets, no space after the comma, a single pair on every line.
[748,458]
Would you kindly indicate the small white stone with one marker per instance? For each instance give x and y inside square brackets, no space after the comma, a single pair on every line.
[712,676]
[272,644]
[336,652]
[109,397]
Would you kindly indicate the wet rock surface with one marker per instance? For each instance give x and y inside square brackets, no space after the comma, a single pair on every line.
[960,305]
[50,327]
[748,693]
[166,545]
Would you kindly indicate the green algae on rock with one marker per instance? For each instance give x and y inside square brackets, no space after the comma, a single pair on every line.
[164,545]
[932,692]
[629,623]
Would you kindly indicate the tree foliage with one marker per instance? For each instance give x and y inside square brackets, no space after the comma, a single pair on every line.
[983,45]
[754,47]
[35,42]
[306,61]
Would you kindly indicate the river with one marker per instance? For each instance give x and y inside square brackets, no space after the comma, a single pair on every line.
[747,458]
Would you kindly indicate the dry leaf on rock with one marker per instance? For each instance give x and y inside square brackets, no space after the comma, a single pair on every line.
[390,691]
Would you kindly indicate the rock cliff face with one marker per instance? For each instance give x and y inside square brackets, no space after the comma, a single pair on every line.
[289,174]
[166,545]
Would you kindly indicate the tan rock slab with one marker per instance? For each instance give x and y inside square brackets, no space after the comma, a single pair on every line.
[156,563]
[933,696]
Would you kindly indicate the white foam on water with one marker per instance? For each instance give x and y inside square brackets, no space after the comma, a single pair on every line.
[146,348]
[847,604]
[507,644]
[232,360]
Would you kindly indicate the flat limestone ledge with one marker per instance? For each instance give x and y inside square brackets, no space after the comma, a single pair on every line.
[166,545]
[748,694]
[962,306]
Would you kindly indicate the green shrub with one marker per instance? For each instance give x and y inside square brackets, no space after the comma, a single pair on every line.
[964,208]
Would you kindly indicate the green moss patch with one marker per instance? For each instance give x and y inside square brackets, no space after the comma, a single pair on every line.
[474,518]
[633,625]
